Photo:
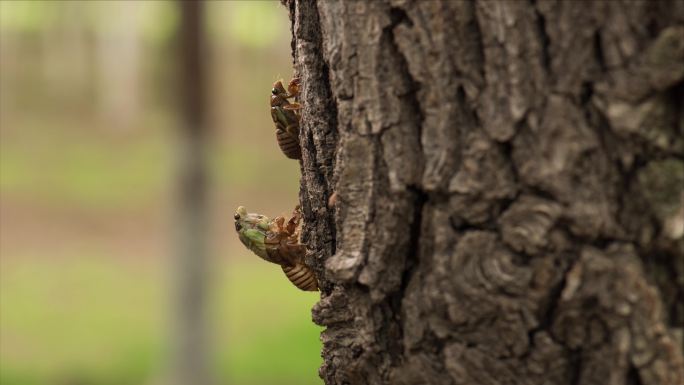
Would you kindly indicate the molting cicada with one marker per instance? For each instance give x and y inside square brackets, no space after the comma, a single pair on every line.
[285,115]
[277,242]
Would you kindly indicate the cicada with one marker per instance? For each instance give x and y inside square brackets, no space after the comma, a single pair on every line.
[278,242]
[285,115]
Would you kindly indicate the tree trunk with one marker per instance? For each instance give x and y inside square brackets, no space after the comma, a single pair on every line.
[508,189]
[189,356]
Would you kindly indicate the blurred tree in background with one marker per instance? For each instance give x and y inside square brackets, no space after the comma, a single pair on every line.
[88,116]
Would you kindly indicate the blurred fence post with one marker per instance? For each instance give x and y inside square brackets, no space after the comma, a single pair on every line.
[190,350]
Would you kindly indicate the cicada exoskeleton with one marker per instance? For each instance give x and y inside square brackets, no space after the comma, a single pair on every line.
[285,115]
[277,242]
[301,276]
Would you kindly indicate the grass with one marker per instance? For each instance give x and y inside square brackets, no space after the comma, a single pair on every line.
[94,320]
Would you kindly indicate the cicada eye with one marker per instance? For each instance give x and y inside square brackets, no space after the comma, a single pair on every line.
[236,216]
[274,91]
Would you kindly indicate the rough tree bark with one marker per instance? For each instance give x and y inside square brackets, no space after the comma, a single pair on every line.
[508,177]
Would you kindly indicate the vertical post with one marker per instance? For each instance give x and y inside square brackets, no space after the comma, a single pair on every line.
[190,351]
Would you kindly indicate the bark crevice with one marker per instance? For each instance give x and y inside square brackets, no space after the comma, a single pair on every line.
[545,40]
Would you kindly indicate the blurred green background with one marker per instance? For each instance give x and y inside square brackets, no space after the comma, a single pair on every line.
[88,131]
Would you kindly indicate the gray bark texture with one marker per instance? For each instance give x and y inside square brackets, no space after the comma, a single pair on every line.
[508,179]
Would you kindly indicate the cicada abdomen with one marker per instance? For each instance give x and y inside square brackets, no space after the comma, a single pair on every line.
[301,276]
[289,144]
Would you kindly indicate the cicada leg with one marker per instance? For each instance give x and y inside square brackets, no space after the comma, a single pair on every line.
[293,88]
[278,224]
[293,223]
[293,106]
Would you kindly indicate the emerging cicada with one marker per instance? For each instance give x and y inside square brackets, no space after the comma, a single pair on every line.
[285,115]
[277,242]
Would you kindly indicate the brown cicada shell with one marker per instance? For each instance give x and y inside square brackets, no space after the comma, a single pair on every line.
[289,144]
[285,115]
[301,276]
[283,248]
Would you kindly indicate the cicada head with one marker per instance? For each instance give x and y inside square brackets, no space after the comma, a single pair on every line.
[278,94]
[278,88]
[252,229]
